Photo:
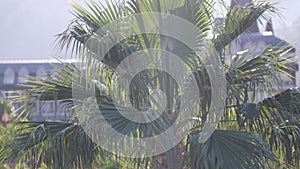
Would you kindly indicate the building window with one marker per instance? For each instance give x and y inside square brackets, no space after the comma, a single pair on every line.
[41,73]
[63,110]
[9,76]
[53,72]
[47,108]
[23,75]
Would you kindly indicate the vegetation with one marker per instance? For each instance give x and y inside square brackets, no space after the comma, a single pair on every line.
[255,131]
[6,109]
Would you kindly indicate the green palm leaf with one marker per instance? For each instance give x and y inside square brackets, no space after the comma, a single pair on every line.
[57,144]
[230,149]
[238,19]
[66,145]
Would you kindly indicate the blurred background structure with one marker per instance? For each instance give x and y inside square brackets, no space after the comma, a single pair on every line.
[256,41]
[13,77]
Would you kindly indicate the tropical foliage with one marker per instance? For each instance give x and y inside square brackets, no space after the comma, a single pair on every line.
[258,129]
[6,109]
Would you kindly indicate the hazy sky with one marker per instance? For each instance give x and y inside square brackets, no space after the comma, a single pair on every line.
[27,27]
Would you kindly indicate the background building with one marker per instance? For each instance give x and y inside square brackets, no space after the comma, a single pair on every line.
[256,42]
[14,72]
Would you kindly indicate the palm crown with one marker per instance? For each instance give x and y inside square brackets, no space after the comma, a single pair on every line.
[256,130]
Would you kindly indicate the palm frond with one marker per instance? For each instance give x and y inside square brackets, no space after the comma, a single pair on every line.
[66,145]
[87,22]
[260,76]
[238,19]
[276,119]
[58,88]
[58,144]
[230,149]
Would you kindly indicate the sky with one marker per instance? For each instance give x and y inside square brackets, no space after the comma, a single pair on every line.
[28,27]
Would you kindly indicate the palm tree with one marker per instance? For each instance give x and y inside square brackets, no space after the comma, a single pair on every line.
[256,130]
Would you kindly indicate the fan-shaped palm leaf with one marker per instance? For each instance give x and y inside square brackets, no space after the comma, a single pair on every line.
[230,149]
